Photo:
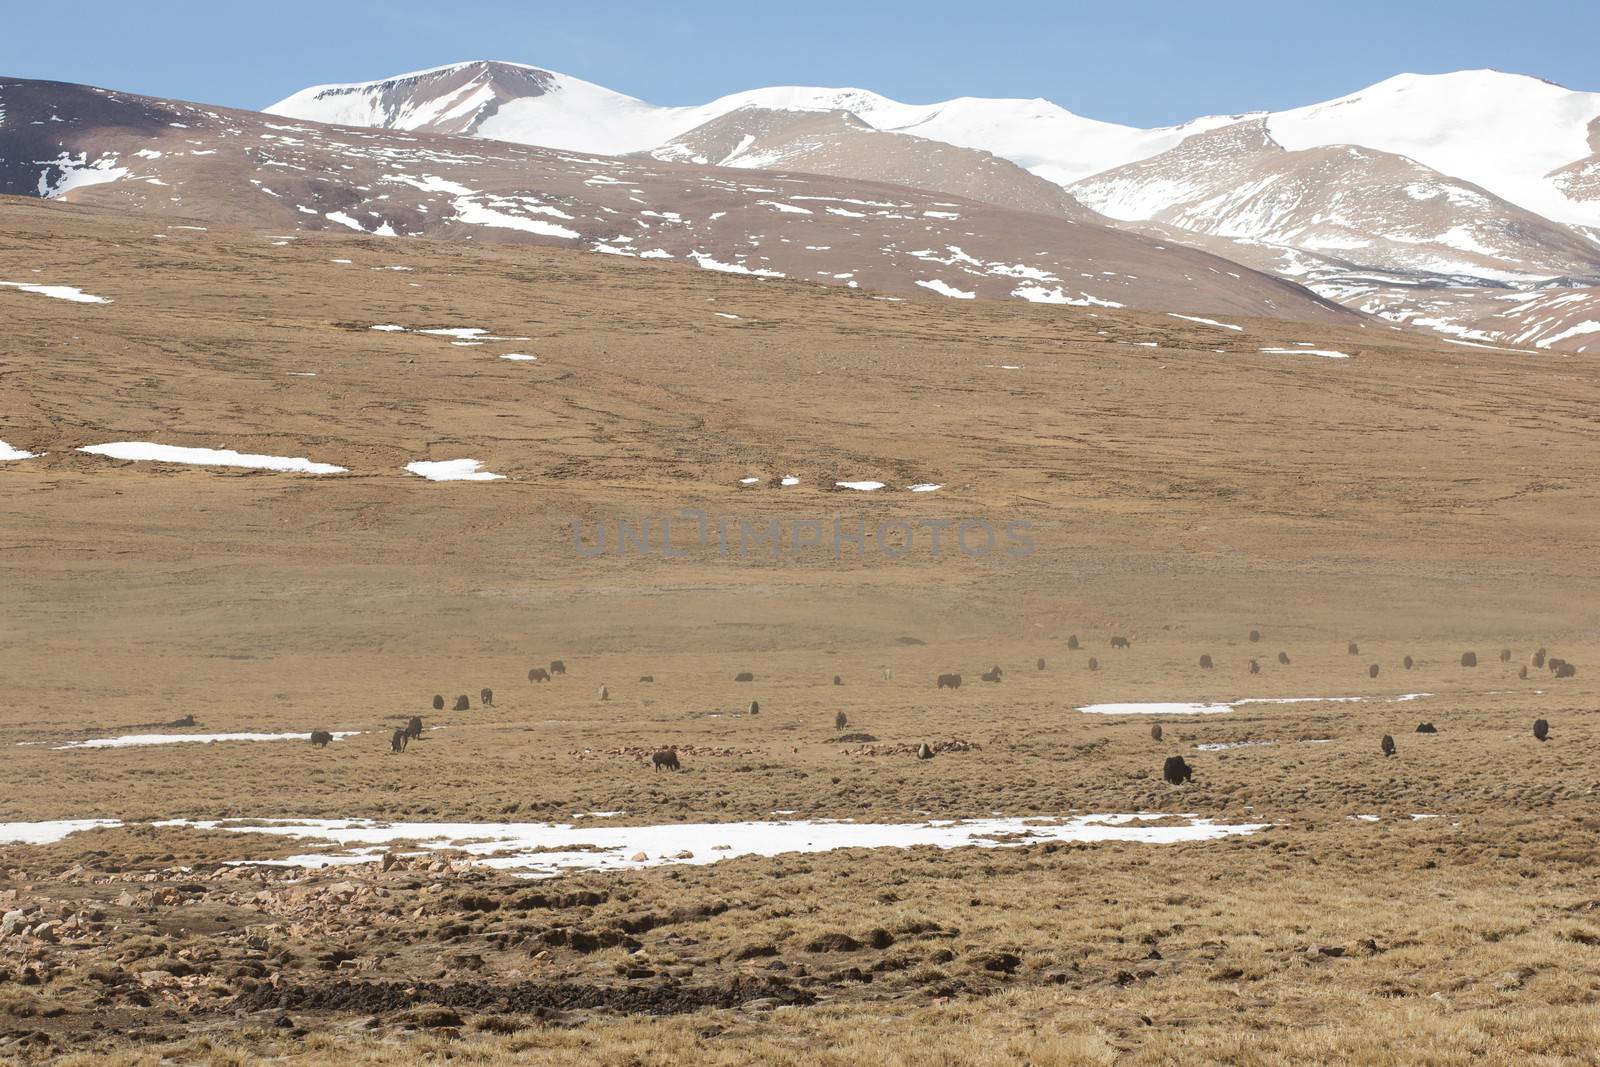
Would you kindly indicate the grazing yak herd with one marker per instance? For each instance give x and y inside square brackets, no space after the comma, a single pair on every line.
[1175,770]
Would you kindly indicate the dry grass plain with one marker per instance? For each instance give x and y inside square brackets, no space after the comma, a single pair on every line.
[1419,499]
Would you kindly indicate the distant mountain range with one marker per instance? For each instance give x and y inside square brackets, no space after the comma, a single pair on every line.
[1459,201]
[1467,203]
[175,159]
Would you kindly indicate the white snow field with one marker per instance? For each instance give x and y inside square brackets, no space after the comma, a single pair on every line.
[453,470]
[542,849]
[210,457]
[142,740]
[47,833]
[1326,353]
[58,292]
[1221,707]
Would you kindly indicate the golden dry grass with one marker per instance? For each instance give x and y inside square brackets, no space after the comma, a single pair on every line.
[1417,501]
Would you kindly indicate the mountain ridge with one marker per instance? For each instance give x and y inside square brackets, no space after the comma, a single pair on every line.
[1013,127]
[1385,199]
[176,159]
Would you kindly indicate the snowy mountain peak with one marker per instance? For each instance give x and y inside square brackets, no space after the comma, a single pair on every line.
[1505,132]
[530,105]
[461,98]
[1455,80]
[433,79]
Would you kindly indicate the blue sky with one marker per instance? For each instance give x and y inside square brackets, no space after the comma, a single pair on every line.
[1146,63]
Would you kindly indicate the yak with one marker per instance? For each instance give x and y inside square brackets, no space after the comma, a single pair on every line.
[1176,771]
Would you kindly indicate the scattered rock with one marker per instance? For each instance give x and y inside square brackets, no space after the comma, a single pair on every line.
[834,942]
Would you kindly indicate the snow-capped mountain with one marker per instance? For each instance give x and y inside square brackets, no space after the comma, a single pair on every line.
[1467,203]
[1507,133]
[197,163]
[527,105]
[1429,199]
[1376,208]
[1375,231]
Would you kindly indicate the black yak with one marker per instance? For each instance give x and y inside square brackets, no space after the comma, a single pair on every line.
[949,681]
[666,758]
[1176,771]
[1387,744]
[1541,729]
[321,738]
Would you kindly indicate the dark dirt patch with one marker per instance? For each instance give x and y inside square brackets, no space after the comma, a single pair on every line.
[522,998]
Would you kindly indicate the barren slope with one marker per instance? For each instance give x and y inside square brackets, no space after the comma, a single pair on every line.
[840,144]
